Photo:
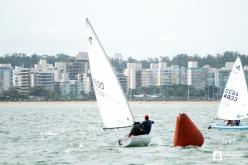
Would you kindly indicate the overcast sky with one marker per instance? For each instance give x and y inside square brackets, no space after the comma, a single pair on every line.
[137,28]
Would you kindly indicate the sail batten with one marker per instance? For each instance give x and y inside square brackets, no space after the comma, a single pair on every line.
[233,104]
[112,104]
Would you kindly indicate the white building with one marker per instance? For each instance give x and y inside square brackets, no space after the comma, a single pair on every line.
[44,75]
[222,75]
[43,65]
[65,89]
[75,89]
[87,83]
[123,82]
[179,75]
[164,74]
[44,79]
[196,76]
[69,75]
[70,89]
[154,71]
[229,65]
[61,73]
[78,65]
[21,79]
[210,75]
[83,56]
[6,72]
[146,77]
[192,64]
[133,75]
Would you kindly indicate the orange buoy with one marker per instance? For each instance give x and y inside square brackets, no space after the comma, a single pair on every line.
[186,132]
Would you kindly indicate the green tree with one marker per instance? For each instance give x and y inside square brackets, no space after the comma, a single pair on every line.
[181,60]
[40,92]
[130,59]
[13,94]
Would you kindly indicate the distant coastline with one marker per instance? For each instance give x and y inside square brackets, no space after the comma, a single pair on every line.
[73,104]
[94,101]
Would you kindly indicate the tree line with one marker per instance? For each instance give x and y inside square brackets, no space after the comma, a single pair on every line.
[215,61]
[28,61]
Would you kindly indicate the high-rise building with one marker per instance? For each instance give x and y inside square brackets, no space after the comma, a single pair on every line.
[146,77]
[210,75]
[87,83]
[5,77]
[192,64]
[123,82]
[43,65]
[79,65]
[43,75]
[196,76]
[222,75]
[179,75]
[44,79]
[65,89]
[21,80]
[133,73]
[164,74]
[154,73]
[61,73]
[75,89]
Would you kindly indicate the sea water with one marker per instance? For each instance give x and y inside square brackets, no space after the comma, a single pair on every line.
[71,133]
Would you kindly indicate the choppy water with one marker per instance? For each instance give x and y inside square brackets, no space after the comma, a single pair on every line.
[71,133]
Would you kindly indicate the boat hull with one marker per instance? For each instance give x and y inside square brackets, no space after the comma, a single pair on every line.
[228,127]
[135,141]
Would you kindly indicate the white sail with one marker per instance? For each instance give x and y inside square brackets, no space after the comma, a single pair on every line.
[234,100]
[111,101]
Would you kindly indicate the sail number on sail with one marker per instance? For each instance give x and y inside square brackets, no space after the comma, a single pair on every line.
[231,94]
[98,87]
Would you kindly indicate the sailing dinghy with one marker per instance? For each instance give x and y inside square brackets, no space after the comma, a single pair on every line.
[112,103]
[233,106]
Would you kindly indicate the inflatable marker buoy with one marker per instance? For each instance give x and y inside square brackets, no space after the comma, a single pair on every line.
[186,132]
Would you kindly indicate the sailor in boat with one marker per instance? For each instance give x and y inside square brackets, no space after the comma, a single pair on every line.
[237,122]
[233,122]
[143,128]
[230,122]
[147,124]
[136,130]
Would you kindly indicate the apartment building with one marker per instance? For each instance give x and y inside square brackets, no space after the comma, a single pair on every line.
[133,73]
[6,72]
[179,75]
[222,75]
[87,83]
[21,80]
[196,77]
[123,82]
[44,79]
[78,65]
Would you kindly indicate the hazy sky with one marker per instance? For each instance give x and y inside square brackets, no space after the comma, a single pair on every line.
[137,28]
